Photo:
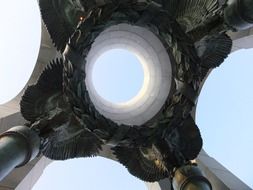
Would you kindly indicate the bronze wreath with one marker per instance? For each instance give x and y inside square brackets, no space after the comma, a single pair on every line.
[60,109]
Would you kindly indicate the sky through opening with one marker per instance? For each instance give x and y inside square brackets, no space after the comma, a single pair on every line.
[118,75]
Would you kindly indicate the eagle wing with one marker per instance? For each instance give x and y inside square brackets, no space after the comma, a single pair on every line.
[44,106]
[84,144]
[191,13]
[49,84]
[213,49]
[61,19]
[139,165]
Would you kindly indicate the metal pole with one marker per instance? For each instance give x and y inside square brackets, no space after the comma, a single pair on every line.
[189,177]
[18,146]
[239,14]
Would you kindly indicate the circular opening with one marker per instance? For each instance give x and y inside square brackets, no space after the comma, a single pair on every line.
[118,76]
[148,86]
[20,37]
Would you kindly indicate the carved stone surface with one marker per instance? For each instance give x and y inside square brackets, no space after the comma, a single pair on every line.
[59,108]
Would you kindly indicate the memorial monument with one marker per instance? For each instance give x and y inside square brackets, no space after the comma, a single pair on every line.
[66,121]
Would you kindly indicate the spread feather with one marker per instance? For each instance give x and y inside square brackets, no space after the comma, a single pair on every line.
[213,50]
[49,84]
[173,149]
[61,19]
[191,13]
[84,144]
[44,106]
[146,169]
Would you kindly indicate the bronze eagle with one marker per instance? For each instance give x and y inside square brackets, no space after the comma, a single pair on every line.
[58,106]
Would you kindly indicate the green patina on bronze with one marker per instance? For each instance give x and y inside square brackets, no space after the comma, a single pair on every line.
[59,108]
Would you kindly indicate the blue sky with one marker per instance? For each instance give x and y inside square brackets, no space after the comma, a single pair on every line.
[88,174]
[19,45]
[120,69]
[224,112]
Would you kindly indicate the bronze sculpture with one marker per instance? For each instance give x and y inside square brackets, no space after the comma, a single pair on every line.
[59,109]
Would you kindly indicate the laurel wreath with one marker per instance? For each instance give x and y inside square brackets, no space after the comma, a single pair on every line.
[186,74]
